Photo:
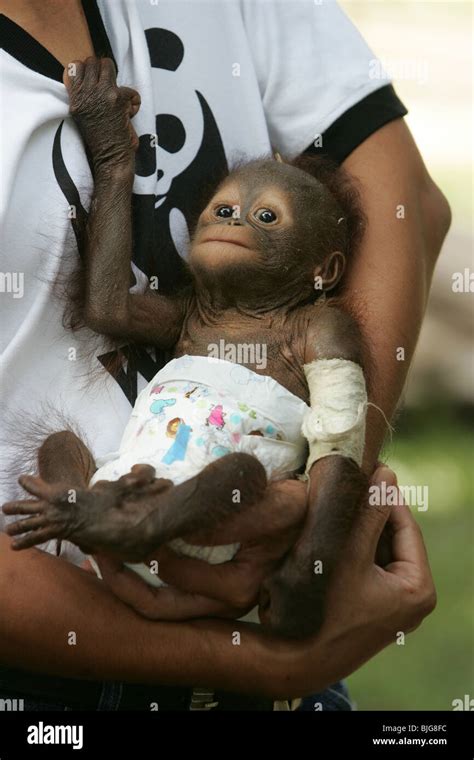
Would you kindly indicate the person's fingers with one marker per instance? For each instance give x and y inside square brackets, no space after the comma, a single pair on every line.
[164,603]
[407,539]
[373,516]
[23,507]
[170,603]
[191,574]
[235,582]
[410,562]
[125,584]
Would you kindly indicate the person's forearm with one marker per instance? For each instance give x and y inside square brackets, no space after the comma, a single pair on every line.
[44,599]
[388,283]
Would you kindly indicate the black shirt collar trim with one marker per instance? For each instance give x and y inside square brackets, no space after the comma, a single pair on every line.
[27,50]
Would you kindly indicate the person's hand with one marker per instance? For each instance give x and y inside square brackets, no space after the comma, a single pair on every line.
[196,588]
[367,606]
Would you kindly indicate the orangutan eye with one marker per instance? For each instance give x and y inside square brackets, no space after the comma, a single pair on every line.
[265,215]
[224,212]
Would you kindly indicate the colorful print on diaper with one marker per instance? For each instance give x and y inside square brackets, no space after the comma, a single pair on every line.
[216,417]
[181,433]
[220,451]
[243,376]
[158,407]
[244,408]
[193,393]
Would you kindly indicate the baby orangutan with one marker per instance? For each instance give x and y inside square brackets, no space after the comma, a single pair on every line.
[210,434]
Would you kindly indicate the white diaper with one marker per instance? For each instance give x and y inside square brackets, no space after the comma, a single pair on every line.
[198,409]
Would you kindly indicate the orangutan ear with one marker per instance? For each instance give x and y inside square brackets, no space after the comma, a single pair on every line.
[329,272]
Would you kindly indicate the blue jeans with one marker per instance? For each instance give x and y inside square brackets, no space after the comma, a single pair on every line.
[335,697]
[41,692]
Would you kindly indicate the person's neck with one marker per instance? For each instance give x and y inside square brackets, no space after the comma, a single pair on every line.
[59,25]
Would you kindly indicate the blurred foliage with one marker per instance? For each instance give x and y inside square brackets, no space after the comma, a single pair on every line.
[433,447]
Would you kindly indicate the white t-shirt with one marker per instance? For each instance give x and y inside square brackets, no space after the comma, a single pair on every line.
[219,79]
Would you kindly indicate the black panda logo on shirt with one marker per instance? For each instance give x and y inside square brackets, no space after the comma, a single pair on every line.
[156,253]
[177,170]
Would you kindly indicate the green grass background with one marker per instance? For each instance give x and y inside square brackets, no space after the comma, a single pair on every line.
[433,447]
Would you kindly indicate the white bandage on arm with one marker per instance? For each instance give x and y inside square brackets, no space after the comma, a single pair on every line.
[335,424]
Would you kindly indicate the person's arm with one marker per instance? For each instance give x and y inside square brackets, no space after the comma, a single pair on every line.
[112,640]
[388,283]
[369,605]
[43,599]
